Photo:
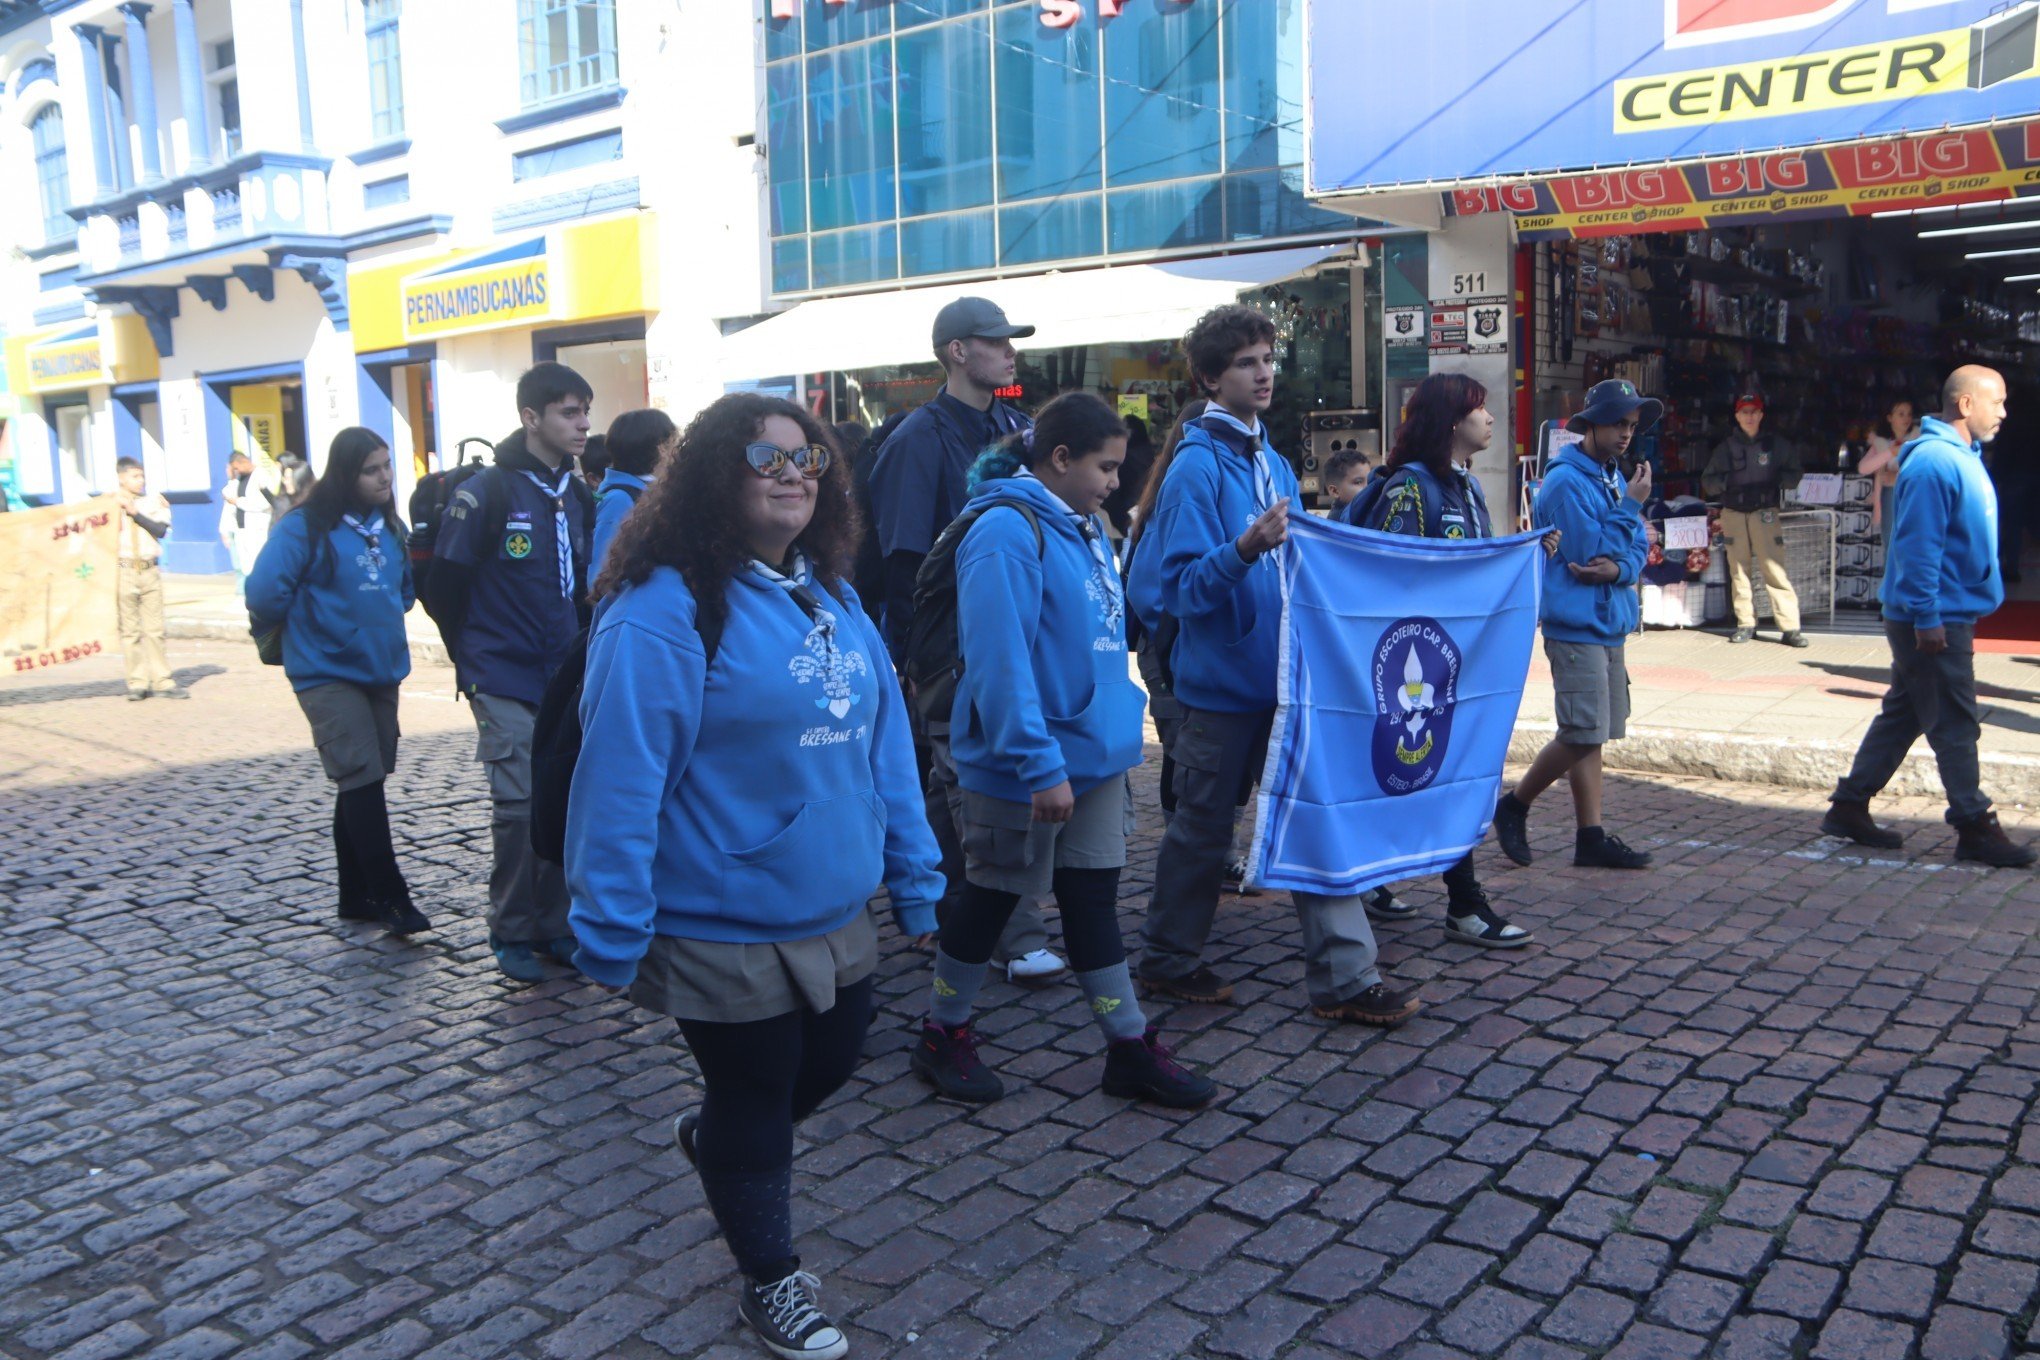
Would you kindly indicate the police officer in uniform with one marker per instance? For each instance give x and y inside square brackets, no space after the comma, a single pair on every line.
[1749,472]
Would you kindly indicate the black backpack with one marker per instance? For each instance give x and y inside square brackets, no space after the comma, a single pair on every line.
[934,660]
[1151,646]
[429,500]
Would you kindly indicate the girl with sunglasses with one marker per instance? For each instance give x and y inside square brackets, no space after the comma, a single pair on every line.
[1047,722]
[747,781]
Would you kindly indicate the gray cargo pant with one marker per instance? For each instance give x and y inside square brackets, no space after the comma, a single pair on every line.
[1026,931]
[527,895]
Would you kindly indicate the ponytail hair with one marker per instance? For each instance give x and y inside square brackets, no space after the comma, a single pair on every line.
[1077,421]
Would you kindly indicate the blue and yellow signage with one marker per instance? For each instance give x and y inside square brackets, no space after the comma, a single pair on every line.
[72,358]
[82,354]
[507,287]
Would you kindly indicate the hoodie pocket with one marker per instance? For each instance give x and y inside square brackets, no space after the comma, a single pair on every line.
[830,855]
[1106,736]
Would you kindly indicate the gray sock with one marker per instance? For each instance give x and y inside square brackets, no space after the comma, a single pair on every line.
[1113,1004]
[955,990]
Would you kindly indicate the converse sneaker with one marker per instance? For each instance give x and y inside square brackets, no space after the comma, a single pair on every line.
[1512,828]
[1473,921]
[1141,1069]
[1383,905]
[1607,852]
[783,1314]
[1036,969]
[947,1060]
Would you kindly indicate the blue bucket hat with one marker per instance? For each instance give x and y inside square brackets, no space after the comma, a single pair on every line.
[1609,401]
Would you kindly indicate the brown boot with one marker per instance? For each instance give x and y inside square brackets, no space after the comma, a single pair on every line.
[1983,840]
[1852,821]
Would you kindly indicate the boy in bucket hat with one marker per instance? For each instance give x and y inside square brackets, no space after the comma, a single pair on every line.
[1590,608]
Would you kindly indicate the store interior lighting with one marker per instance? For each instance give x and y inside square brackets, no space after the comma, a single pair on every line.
[1981,229]
[1990,205]
[2001,254]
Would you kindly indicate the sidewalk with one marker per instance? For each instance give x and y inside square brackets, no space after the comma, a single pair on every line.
[1758,713]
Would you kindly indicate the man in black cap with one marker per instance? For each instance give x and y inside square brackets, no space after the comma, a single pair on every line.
[1590,609]
[1749,473]
[919,483]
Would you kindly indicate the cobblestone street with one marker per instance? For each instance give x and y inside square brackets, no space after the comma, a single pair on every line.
[1771,1099]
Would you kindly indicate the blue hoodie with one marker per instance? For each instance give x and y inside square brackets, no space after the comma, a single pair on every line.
[1589,504]
[1045,694]
[342,611]
[758,800]
[1941,565]
[620,491]
[1230,609]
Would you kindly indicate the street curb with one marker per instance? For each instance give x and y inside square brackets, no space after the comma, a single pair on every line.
[422,653]
[1779,760]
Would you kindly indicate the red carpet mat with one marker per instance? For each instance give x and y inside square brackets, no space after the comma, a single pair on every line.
[2014,628]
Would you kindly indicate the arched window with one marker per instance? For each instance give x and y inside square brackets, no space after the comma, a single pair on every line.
[53,173]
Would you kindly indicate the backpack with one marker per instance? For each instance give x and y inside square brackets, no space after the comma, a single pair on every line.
[428,515]
[1151,646]
[934,660]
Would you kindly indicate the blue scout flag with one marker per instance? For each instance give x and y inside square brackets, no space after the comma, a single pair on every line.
[1402,668]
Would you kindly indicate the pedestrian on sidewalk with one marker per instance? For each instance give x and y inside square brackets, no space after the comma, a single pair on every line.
[335,578]
[1041,632]
[919,483]
[244,516]
[1899,427]
[636,443]
[1427,489]
[508,577]
[1222,586]
[144,523]
[1590,609]
[1941,575]
[1749,473]
[737,695]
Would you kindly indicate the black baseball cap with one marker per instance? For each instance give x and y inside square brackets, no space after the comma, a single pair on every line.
[975,317]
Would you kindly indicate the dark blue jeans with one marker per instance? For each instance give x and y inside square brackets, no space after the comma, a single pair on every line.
[1934,696]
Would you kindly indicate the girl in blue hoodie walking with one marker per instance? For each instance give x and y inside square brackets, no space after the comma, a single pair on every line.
[1046,724]
[746,782]
[335,579]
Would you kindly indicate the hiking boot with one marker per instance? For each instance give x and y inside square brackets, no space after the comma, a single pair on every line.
[1852,822]
[947,1060]
[1378,1005]
[519,962]
[683,1135]
[1236,880]
[1141,1069]
[398,915]
[1199,985]
[783,1314]
[1383,905]
[1512,828]
[1795,638]
[1472,920]
[1983,840]
[1608,852]
[1741,635]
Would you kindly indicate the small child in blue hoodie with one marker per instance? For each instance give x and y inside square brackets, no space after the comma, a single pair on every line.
[636,441]
[746,782]
[1047,721]
[335,578]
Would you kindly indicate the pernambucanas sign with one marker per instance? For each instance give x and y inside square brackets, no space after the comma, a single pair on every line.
[1453,91]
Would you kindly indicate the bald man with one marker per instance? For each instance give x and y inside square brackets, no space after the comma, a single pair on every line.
[1940,577]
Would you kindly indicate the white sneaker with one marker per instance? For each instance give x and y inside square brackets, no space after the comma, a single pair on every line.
[1038,967]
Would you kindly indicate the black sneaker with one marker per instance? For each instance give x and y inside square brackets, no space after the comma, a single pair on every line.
[1742,635]
[398,916]
[683,1135]
[1512,828]
[947,1060]
[359,909]
[1383,905]
[783,1314]
[1608,852]
[1200,985]
[1236,880]
[1378,1005]
[1141,1069]
[1474,921]
[1795,639]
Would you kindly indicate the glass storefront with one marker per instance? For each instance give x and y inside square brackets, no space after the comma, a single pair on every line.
[916,138]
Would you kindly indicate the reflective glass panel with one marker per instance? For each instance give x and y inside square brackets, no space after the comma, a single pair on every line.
[945,117]
[1052,229]
[946,245]
[1165,216]
[1161,93]
[1048,105]
[1263,83]
[860,256]
[850,137]
[786,161]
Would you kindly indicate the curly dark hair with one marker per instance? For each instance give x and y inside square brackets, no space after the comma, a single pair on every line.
[688,520]
[1219,335]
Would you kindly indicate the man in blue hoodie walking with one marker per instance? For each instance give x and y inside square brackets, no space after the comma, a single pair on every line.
[1941,575]
[1590,609]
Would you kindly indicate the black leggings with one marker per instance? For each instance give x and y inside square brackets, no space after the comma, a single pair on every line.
[364,857]
[1088,898]
[759,1079]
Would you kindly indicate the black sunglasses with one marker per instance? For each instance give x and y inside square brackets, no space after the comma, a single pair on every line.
[769,460]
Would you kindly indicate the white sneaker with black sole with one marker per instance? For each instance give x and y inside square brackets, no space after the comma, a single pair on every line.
[1032,970]
[1383,905]
[784,1315]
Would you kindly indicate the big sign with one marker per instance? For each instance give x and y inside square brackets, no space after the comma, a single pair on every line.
[1459,90]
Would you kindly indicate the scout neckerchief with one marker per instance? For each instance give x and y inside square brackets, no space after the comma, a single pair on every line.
[1110,592]
[558,496]
[1264,476]
[796,586]
[371,534]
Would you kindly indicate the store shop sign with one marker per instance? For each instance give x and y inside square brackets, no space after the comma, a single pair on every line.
[1609,83]
[1054,13]
[1913,172]
[508,287]
[69,360]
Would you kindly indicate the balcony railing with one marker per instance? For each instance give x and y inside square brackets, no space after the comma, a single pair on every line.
[257,195]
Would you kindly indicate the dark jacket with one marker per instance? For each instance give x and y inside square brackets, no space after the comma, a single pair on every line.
[1751,474]
[1412,500]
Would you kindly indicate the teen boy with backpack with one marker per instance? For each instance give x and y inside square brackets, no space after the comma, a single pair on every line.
[509,572]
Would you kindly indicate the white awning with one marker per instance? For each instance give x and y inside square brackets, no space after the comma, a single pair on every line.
[1087,307]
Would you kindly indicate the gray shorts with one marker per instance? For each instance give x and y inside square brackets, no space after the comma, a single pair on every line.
[355,729]
[1004,848]
[1591,685]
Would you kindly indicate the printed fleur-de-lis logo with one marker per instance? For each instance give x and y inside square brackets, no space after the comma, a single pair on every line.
[370,563]
[824,662]
[1111,605]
